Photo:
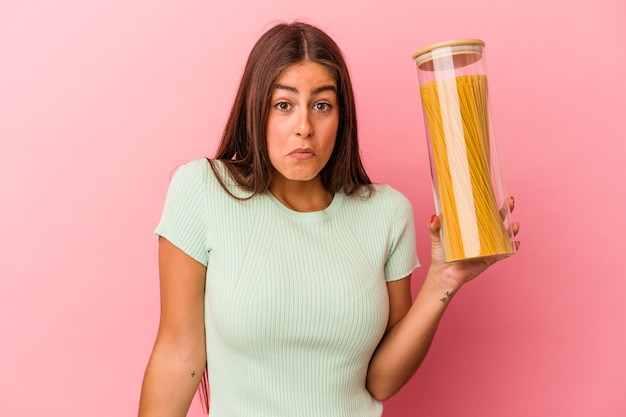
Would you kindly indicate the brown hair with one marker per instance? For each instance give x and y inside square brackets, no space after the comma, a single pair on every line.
[243,147]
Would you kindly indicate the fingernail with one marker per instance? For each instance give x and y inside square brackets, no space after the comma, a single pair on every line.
[432,218]
[513,199]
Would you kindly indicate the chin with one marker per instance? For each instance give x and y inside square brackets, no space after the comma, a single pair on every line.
[301,176]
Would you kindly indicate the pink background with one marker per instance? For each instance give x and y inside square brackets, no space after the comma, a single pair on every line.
[100,101]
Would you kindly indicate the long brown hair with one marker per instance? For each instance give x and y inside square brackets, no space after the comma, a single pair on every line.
[243,147]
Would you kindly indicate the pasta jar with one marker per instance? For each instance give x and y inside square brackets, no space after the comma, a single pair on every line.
[468,187]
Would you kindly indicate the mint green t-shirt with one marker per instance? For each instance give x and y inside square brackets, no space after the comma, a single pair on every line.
[295,303]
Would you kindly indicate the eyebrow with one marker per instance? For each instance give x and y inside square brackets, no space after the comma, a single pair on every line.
[315,91]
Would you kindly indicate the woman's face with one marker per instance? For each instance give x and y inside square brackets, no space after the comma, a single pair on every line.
[303,121]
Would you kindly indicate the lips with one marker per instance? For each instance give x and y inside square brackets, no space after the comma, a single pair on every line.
[302,153]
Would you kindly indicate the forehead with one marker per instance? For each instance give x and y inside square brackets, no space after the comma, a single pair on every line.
[306,73]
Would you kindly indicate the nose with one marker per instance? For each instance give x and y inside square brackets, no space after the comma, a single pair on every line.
[304,128]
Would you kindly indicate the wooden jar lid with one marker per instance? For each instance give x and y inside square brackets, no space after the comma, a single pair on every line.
[463,51]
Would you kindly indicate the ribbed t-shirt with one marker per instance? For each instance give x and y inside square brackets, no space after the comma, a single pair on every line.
[295,303]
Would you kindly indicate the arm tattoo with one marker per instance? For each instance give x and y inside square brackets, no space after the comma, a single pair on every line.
[193,373]
[446,296]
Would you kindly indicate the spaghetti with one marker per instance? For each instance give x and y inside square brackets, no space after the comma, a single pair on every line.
[457,119]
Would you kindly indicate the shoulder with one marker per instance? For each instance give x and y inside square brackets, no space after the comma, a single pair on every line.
[382,204]
[215,178]
[388,192]
[386,195]
[194,181]
[203,172]
[188,185]
[192,171]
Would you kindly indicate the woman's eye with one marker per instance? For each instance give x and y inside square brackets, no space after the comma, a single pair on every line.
[283,106]
[322,106]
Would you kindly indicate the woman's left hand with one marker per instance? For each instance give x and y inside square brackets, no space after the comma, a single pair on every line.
[412,326]
[458,273]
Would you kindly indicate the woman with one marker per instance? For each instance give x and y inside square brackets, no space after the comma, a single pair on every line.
[283,269]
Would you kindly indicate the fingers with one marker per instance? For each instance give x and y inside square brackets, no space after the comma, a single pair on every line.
[515,228]
[434,224]
[507,207]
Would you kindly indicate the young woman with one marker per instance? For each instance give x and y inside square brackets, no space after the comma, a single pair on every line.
[283,269]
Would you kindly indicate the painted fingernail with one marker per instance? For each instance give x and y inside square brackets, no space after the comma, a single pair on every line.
[513,199]
[432,218]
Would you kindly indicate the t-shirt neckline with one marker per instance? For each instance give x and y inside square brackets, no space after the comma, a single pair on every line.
[309,216]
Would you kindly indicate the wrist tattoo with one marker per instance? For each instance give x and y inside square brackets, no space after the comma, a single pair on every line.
[447,295]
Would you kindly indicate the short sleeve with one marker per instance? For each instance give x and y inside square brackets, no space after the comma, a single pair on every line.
[402,258]
[184,218]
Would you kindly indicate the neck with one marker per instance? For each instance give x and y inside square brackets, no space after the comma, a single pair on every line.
[302,196]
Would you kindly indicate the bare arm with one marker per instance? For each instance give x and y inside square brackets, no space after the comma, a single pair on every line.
[178,357]
[412,326]
[407,341]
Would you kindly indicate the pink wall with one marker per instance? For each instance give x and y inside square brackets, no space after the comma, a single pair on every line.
[99,101]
